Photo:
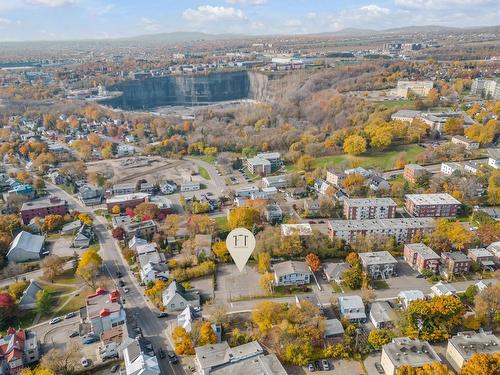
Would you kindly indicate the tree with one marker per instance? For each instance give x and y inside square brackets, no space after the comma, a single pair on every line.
[52,266]
[219,248]
[207,335]
[355,184]
[305,163]
[381,139]
[8,310]
[37,371]
[487,303]
[17,289]
[263,262]
[245,217]
[266,281]
[352,258]
[354,145]
[353,277]
[43,302]
[171,225]
[89,266]
[64,361]
[379,337]
[454,126]
[115,210]
[450,233]
[482,364]
[146,210]
[201,224]
[182,341]
[118,233]
[313,261]
[434,368]
[265,314]
[85,219]
[488,233]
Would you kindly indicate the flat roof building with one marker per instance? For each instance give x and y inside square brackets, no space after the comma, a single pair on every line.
[432,205]
[405,351]
[465,344]
[369,208]
[421,257]
[379,264]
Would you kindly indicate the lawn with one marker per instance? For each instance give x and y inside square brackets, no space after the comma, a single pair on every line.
[203,173]
[381,159]
[206,158]
[380,284]
[399,103]
[222,223]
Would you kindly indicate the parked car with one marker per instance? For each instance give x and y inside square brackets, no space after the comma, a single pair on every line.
[317,365]
[115,368]
[89,339]
[121,283]
[310,367]
[162,315]
[325,364]
[172,358]
[125,290]
[56,320]
[161,353]
[74,334]
[379,368]
[85,362]
[119,274]
[69,315]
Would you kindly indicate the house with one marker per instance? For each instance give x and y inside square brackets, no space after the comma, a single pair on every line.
[377,183]
[150,272]
[203,245]
[359,171]
[311,207]
[379,264]
[472,167]
[382,315]
[28,299]
[321,186]
[190,186]
[58,179]
[455,262]
[334,331]
[421,257]
[124,150]
[19,349]
[494,248]
[220,359]
[25,247]
[483,257]
[135,242]
[90,195]
[467,142]
[273,214]
[140,358]
[403,229]
[334,271]
[42,208]
[143,229]
[71,228]
[465,344]
[308,298]
[123,189]
[83,237]
[335,178]
[297,193]
[291,273]
[278,182]
[176,298]
[408,296]
[103,310]
[405,351]
[369,208]
[168,187]
[441,289]
[432,205]
[450,168]
[186,317]
[352,308]
[303,229]
[494,161]
[412,172]
[147,187]
[246,192]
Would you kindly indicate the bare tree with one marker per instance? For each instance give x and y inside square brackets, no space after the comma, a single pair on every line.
[63,361]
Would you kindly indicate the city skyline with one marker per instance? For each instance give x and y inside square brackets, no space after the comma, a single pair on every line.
[101,19]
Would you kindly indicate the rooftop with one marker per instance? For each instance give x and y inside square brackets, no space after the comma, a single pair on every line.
[377,257]
[405,351]
[43,203]
[261,365]
[411,295]
[274,179]
[469,343]
[290,266]
[432,199]
[214,355]
[414,166]
[303,229]
[269,155]
[382,312]
[381,224]
[333,327]
[423,250]
[373,202]
[103,302]
[457,256]
[126,197]
[479,253]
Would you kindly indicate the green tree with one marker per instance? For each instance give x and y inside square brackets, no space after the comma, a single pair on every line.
[43,302]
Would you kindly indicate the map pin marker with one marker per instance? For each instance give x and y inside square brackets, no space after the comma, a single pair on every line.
[240,243]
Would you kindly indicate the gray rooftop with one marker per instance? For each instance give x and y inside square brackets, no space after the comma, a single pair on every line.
[382,312]
[457,256]
[333,327]
[373,202]
[377,257]
[415,353]
[259,365]
[479,252]
[27,242]
[289,267]
[42,203]
[469,343]
[432,199]
[381,224]
[215,355]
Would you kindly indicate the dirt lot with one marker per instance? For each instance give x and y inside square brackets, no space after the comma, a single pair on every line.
[153,169]
[234,284]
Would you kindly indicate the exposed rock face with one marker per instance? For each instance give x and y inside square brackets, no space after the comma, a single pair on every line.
[187,90]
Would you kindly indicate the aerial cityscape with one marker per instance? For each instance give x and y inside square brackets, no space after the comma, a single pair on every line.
[249,187]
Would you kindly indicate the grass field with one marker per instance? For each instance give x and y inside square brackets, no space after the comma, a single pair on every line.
[205,158]
[384,159]
[222,223]
[401,103]
[203,173]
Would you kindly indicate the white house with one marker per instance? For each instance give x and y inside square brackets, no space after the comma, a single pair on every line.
[352,308]
[408,296]
[292,273]
[140,359]
[25,247]
[176,298]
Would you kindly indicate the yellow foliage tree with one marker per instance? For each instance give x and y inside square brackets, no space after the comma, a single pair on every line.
[244,217]
[89,266]
[354,145]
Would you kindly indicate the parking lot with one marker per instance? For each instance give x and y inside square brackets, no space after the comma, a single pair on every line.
[233,284]
[338,367]
[61,246]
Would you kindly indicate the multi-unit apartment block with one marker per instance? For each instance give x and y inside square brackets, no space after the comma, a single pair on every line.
[335,177]
[379,264]
[455,262]
[42,208]
[421,257]
[264,163]
[432,205]
[413,171]
[402,229]
[369,208]
[418,88]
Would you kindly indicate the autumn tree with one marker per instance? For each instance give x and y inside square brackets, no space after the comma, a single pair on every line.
[245,217]
[85,219]
[352,258]
[88,267]
[64,361]
[354,145]
[450,234]
[146,211]
[118,233]
[206,335]
[171,225]
[52,266]
[37,371]
[8,310]
[487,304]
[43,301]
[115,210]
[266,281]
[219,248]
[355,185]
[200,224]
[52,223]
[434,368]
[353,277]
[183,344]
[454,126]
[263,262]
[305,163]
[266,314]
[379,337]
[313,261]
[16,289]
[381,139]
[482,364]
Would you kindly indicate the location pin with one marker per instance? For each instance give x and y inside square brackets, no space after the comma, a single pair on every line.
[240,243]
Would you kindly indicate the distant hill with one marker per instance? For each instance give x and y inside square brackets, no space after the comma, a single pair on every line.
[181,36]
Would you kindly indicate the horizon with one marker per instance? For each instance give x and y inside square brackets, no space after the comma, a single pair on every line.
[66,20]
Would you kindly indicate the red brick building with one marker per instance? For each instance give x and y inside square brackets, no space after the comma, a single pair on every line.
[421,257]
[432,205]
[43,207]
[412,171]
[126,200]
[455,262]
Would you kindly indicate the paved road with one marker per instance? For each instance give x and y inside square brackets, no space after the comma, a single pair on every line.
[136,304]
[214,176]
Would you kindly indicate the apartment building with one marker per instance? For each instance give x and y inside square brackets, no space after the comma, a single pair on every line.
[43,207]
[464,141]
[483,257]
[291,273]
[418,88]
[421,257]
[402,229]
[489,88]
[432,205]
[412,172]
[126,201]
[335,177]
[379,264]
[352,308]
[405,115]
[465,344]
[405,351]
[455,262]
[264,163]
[369,208]
[122,189]
[450,167]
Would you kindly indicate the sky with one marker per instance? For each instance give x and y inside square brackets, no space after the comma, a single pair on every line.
[84,19]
